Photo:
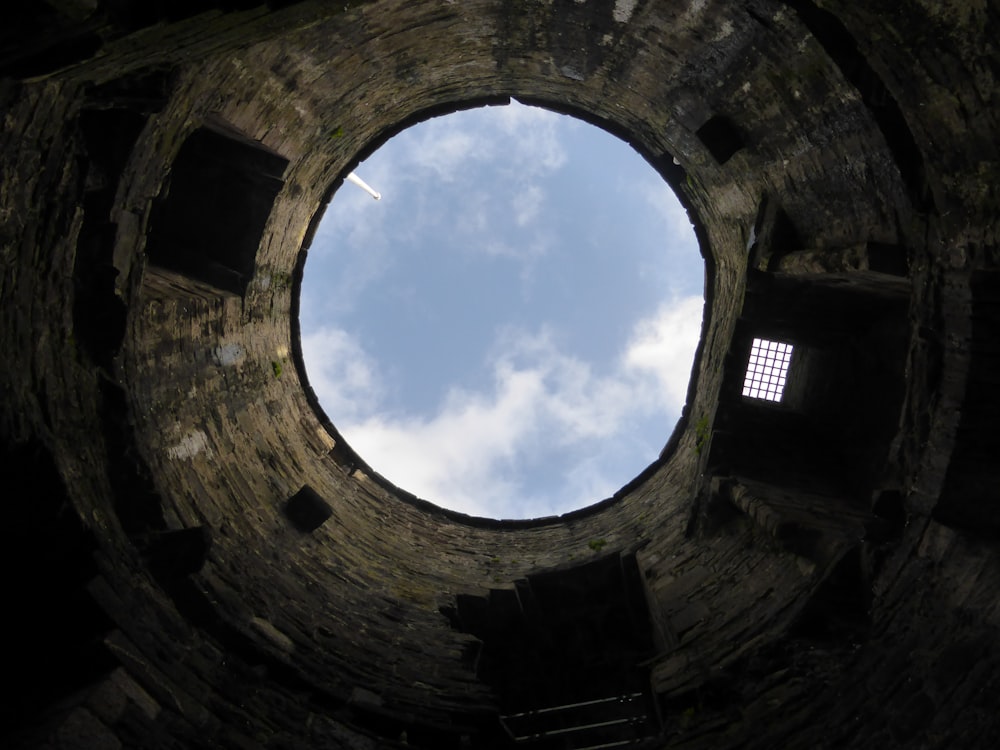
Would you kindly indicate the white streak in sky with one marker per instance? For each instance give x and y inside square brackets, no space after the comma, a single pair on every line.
[354,179]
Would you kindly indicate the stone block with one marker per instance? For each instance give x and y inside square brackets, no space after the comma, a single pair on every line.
[307,510]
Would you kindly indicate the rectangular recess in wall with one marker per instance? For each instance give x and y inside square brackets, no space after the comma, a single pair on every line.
[721,137]
[307,510]
[767,370]
[209,220]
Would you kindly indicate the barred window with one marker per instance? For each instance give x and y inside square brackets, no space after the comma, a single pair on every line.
[767,370]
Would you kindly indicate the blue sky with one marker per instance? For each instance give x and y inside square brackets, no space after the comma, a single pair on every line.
[509,332]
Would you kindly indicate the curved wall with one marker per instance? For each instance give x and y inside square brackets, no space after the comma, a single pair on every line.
[814,575]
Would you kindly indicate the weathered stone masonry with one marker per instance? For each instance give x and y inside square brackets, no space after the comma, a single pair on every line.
[195,558]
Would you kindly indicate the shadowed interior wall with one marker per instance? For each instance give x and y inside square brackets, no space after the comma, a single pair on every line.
[195,558]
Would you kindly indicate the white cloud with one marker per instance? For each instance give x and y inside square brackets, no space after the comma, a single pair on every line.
[658,195]
[462,455]
[444,147]
[468,453]
[664,345]
[527,204]
[343,376]
[477,184]
[426,168]
[524,139]
[531,137]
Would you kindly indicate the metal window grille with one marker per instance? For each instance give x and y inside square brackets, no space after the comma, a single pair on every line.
[767,370]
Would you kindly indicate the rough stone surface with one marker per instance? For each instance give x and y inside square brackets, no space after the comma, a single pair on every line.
[818,574]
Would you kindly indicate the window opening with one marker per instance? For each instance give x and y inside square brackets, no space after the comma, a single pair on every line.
[208,224]
[442,326]
[767,369]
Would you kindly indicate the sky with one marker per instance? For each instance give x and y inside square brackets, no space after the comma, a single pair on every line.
[509,331]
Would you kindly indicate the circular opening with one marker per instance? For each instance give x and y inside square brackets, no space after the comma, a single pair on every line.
[509,331]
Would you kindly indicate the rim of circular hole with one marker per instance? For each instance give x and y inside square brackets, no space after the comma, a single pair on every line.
[669,170]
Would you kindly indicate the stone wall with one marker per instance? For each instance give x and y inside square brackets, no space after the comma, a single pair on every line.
[157,420]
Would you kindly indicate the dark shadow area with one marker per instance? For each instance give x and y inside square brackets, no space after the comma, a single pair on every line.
[838,611]
[721,137]
[53,624]
[208,223]
[136,500]
[969,499]
[843,50]
[307,510]
[98,313]
[845,384]
[563,652]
